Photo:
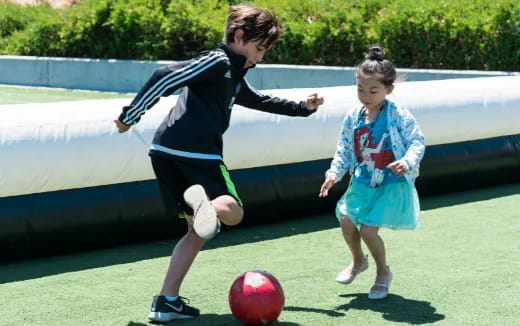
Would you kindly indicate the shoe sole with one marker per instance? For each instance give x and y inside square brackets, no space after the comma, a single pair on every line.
[164,317]
[205,221]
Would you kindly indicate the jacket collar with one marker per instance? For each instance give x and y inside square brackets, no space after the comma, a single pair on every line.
[236,59]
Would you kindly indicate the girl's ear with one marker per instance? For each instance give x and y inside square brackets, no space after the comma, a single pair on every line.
[389,89]
[238,36]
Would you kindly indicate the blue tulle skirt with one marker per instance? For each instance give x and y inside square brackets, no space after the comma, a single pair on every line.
[393,205]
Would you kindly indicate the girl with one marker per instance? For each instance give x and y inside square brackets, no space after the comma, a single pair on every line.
[381,145]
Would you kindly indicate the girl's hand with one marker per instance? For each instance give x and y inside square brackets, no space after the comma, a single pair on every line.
[327,184]
[313,102]
[399,168]
[121,127]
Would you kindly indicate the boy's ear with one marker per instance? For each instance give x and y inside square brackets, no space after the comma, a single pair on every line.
[239,34]
[389,89]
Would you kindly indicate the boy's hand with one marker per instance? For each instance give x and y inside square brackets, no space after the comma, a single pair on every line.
[121,127]
[327,184]
[313,102]
[399,168]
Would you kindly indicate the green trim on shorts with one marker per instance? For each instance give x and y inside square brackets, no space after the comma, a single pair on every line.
[230,185]
[182,215]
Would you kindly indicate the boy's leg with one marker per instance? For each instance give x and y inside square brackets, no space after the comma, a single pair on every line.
[205,222]
[184,253]
[208,214]
[228,210]
[182,257]
[172,184]
[212,180]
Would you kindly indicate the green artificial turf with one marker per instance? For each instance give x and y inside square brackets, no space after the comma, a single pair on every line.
[18,95]
[461,267]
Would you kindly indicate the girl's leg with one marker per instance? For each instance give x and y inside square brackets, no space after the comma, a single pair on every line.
[353,240]
[377,248]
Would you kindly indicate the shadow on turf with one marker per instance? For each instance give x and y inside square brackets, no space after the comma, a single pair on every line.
[459,198]
[31,269]
[330,313]
[210,320]
[395,308]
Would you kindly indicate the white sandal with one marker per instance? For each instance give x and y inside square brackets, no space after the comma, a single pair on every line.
[381,294]
[348,275]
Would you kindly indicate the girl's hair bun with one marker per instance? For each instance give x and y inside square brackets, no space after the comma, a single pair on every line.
[376,65]
[375,53]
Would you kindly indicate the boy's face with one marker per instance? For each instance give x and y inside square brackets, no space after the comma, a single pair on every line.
[252,50]
[371,92]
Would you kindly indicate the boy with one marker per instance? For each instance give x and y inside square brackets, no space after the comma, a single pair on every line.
[186,152]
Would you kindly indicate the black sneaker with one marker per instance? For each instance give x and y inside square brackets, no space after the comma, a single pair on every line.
[164,311]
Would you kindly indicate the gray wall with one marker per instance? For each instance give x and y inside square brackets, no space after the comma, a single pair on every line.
[129,75]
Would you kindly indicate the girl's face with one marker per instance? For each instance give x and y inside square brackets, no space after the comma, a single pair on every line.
[252,50]
[371,92]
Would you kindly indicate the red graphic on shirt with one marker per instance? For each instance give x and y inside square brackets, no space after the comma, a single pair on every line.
[371,154]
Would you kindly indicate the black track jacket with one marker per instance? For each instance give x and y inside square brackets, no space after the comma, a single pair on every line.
[213,81]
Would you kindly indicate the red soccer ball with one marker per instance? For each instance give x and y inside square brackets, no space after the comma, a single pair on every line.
[256,298]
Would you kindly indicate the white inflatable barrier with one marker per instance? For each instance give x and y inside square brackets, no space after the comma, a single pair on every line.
[70,181]
[67,145]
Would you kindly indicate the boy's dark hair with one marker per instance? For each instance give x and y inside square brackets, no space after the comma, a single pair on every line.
[257,24]
[376,66]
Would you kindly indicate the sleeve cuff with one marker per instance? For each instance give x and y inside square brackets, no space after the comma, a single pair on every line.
[123,118]
[331,173]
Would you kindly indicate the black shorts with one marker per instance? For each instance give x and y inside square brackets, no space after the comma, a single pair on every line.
[176,174]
